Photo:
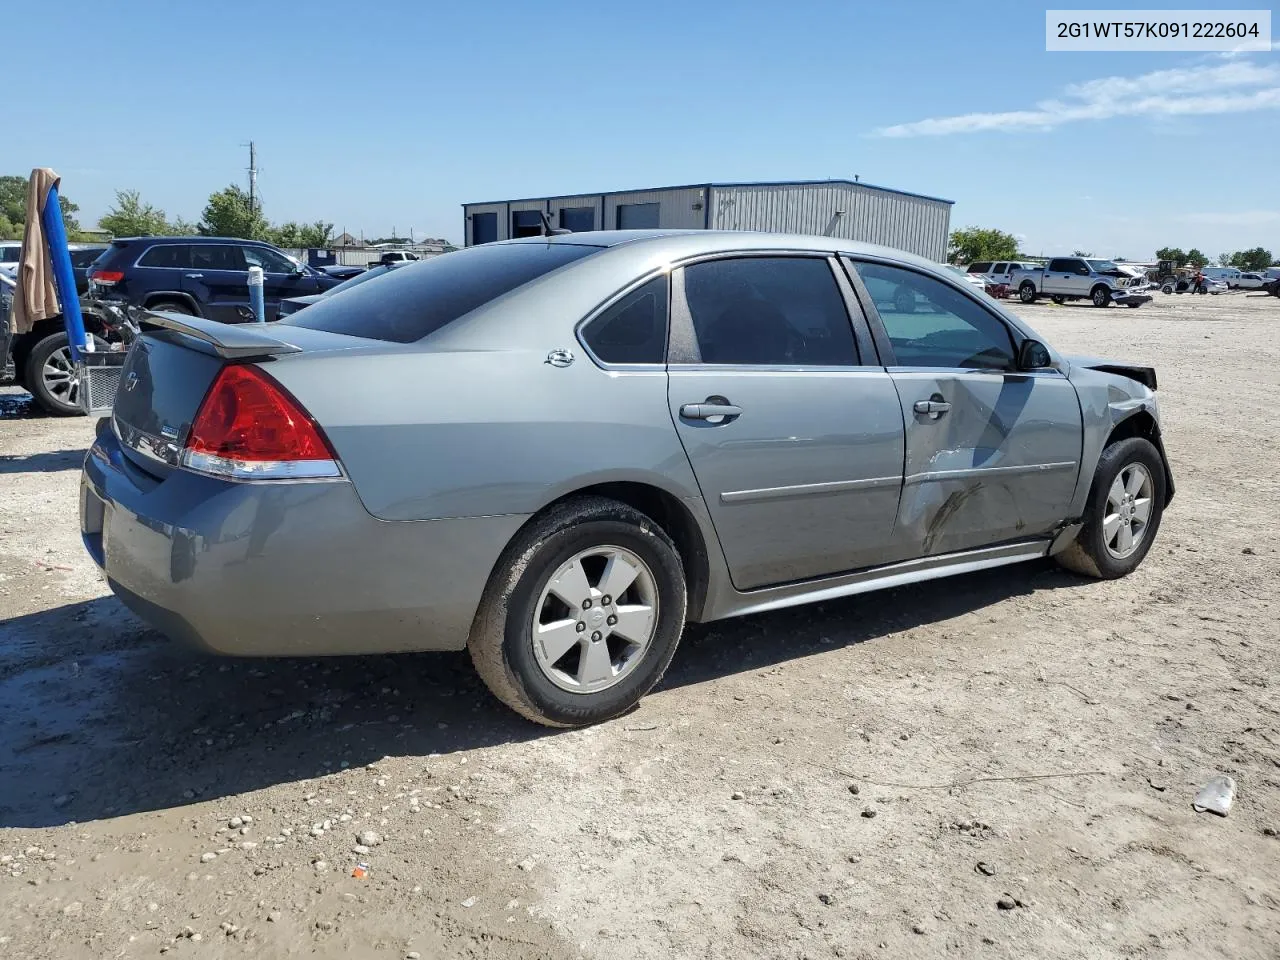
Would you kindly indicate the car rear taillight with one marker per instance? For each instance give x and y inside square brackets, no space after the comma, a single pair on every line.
[248,427]
[106,277]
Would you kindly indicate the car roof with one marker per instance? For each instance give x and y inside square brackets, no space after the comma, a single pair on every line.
[193,238]
[686,243]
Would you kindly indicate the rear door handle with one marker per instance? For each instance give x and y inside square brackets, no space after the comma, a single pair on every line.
[705,411]
[932,408]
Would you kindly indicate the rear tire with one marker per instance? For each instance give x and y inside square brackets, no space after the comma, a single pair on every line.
[1101,549]
[172,306]
[51,378]
[1101,296]
[576,544]
[1027,292]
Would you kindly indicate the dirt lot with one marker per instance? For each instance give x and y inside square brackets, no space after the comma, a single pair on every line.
[826,782]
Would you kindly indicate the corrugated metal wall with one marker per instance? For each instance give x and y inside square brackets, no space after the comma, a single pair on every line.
[915,224]
[679,209]
[908,223]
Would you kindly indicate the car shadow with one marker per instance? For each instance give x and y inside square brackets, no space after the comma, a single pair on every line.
[104,717]
[50,461]
[20,406]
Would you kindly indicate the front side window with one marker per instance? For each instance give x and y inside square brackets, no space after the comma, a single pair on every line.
[216,256]
[167,255]
[932,324]
[633,330]
[410,302]
[769,311]
[268,260]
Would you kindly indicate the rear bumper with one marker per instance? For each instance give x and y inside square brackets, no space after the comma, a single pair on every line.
[281,569]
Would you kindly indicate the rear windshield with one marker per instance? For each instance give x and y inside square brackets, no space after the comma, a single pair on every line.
[419,298]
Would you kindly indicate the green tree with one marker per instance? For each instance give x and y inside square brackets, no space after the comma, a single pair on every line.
[178,227]
[979,243]
[1224,259]
[229,214]
[1172,253]
[317,234]
[1081,253]
[1258,258]
[13,205]
[1196,258]
[130,217]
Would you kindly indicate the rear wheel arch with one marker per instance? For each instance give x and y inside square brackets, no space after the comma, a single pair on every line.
[667,511]
[172,296]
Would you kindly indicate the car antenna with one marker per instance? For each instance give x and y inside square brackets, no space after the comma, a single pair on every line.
[548,230]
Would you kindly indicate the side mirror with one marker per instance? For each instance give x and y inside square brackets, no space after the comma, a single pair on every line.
[1033,355]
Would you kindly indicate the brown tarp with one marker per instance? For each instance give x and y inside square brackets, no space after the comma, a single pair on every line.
[36,298]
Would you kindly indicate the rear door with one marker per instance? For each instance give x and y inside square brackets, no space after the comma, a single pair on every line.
[794,432]
[992,454]
[218,278]
[280,277]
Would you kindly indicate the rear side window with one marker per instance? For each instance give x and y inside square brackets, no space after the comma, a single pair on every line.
[770,311]
[418,299]
[82,258]
[980,266]
[217,256]
[633,330]
[167,255]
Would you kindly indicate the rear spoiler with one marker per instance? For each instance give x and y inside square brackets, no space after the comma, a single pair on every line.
[236,341]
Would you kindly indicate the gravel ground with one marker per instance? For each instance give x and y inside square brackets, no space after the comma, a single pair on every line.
[999,765]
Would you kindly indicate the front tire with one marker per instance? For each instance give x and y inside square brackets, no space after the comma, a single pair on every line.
[582,614]
[1100,296]
[1027,292]
[51,376]
[1123,512]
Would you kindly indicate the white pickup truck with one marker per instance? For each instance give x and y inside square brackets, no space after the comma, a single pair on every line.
[1081,278]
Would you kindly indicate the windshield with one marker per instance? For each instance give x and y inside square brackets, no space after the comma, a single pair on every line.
[422,296]
[1102,266]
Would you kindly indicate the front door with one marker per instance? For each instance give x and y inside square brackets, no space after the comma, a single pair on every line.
[1060,276]
[218,279]
[281,277]
[796,442]
[992,454]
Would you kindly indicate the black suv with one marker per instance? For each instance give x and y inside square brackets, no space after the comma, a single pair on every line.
[201,276]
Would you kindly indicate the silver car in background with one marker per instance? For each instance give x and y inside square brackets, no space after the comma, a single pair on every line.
[558,451]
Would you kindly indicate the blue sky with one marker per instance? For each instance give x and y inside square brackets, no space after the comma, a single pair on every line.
[394,114]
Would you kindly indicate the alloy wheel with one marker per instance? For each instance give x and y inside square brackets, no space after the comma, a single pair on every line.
[595,619]
[1129,503]
[60,377]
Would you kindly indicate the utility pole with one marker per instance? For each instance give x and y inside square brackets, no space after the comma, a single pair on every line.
[253,177]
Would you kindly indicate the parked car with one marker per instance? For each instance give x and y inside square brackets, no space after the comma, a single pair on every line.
[977,280]
[1101,282]
[397,256]
[342,271]
[1251,281]
[1188,285]
[294,304]
[10,252]
[599,469]
[83,256]
[1228,275]
[200,276]
[1000,271]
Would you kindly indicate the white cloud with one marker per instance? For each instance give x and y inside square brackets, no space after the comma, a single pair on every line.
[1232,87]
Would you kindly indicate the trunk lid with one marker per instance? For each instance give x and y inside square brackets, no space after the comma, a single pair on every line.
[170,368]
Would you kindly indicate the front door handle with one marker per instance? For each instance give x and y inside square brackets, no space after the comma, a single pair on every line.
[195,276]
[711,407]
[933,408]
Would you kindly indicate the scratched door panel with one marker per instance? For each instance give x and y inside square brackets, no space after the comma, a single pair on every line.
[1000,465]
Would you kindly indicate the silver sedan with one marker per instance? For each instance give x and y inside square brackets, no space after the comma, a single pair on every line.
[557,452]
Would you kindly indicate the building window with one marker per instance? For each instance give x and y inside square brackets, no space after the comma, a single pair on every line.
[484,228]
[526,223]
[637,216]
[578,219]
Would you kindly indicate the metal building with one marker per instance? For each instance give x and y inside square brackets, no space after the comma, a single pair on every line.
[842,208]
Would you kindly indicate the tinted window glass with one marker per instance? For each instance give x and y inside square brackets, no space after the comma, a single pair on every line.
[82,258]
[10,254]
[1062,265]
[420,298]
[216,256]
[268,260]
[980,266]
[633,330]
[167,255]
[769,310]
[931,324]
[1000,268]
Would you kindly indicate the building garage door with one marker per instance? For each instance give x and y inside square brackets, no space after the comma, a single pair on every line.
[578,219]
[484,228]
[637,216]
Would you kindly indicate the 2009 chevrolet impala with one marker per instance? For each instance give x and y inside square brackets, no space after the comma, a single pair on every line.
[557,451]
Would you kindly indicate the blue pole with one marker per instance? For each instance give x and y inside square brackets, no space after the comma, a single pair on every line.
[55,238]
